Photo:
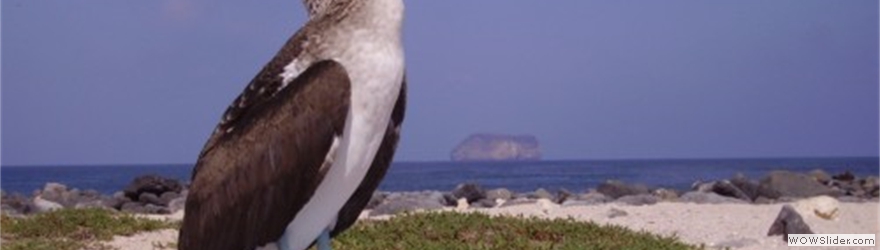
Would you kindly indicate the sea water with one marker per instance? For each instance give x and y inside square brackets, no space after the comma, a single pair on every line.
[573,175]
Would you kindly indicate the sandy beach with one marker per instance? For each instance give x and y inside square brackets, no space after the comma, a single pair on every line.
[737,226]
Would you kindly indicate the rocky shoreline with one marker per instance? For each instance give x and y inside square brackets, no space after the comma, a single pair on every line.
[152,194]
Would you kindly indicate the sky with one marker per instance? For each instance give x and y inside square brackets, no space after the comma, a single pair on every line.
[145,82]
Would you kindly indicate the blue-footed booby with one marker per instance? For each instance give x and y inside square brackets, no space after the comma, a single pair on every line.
[298,154]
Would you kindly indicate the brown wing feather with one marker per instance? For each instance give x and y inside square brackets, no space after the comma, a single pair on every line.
[352,209]
[251,183]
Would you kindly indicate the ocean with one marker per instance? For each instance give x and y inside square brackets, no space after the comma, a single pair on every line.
[574,175]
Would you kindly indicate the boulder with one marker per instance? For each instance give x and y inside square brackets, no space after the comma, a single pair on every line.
[638,200]
[749,187]
[788,222]
[726,188]
[153,184]
[484,203]
[470,191]
[540,194]
[846,176]
[141,208]
[167,197]
[42,205]
[820,176]
[871,185]
[665,194]
[17,203]
[376,199]
[149,198]
[790,184]
[563,195]
[616,189]
[499,193]
[707,198]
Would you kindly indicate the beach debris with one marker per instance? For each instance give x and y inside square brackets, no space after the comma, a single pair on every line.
[788,222]
[824,207]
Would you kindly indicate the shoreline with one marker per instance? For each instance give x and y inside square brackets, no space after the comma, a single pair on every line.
[715,226]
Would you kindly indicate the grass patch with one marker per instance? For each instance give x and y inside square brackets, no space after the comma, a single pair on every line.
[70,229]
[448,230]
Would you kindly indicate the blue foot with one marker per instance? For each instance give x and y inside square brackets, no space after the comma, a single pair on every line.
[324,240]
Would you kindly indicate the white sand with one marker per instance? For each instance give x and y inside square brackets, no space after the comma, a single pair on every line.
[738,226]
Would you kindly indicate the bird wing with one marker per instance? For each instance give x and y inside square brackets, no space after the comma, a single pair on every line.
[262,166]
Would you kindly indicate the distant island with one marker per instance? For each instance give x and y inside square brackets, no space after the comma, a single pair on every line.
[497,147]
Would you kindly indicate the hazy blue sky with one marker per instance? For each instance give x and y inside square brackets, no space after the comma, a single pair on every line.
[89,82]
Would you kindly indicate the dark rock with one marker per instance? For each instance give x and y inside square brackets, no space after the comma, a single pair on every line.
[410,201]
[749,187]
[449,200]
[470,191]
[726,188]
[871,185]
[563,195]
[638,200]
[376,199]
[499,193]
[17,203]
[141,208]
[614,213]
[149,198]
[786,183]
[707,198]
[845,176]
[788,222]
[616,189]
[151,184]
[153,209]
[166,198]
[491,147]
[820,176]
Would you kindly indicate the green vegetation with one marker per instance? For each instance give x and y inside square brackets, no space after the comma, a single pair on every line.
[70,229]
[448,230]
